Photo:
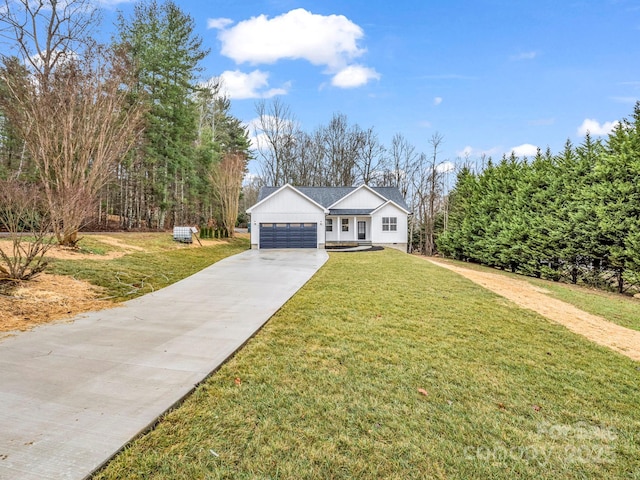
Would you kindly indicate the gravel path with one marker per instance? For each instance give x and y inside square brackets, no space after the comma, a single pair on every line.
[623,340]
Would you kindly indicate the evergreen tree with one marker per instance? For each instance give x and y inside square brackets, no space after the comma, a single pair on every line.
[542,203]
[617,192]
[581,248]
[167,53]
[220,135]
[457,240]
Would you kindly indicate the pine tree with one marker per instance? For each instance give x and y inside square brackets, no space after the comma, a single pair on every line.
[457,240]
[162,43]
[617,192]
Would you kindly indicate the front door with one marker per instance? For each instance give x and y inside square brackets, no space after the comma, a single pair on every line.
[362,230]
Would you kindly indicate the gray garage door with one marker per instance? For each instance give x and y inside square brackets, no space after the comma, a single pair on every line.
[288,235]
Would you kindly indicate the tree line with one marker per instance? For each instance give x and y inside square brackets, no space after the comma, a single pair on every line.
[573,216]
[121,134]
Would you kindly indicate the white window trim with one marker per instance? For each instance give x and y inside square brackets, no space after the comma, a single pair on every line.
[329,225]
[389,224]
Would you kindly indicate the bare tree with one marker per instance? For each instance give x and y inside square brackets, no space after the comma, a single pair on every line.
[45,33]
[275,132]
[250,192]
[22,213]
[211,107]
[403,159]
[226,179]
[307,169]
[342,149]
[372,160]
[73,108]
[428,195]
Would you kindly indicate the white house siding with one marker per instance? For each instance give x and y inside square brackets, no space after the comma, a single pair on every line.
[360,198]
[397,239]
[337,235]
[286,206]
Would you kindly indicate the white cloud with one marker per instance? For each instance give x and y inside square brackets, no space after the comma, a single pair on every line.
[239,85]
[322,40]
[524,150]
[445,167]
[218,23]
[258,141]
[354,76]
[61,57]
[437,101]
[466,151]
[524,56]
[424,124]
[257,136]
[595,128]
[252,124]
[330,41]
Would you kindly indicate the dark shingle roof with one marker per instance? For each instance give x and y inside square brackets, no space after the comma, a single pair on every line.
[350,211]
[327,196]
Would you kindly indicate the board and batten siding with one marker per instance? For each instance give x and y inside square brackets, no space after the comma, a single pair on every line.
[361,198]
[397,239]
[286,206]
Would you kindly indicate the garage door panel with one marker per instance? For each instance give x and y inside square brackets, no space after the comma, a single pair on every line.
[288,235]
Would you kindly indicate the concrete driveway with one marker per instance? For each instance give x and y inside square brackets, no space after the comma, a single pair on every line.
[72,395]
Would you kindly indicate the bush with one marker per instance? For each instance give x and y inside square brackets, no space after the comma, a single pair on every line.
[22,215]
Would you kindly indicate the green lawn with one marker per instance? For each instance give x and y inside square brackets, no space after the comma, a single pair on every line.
[164,262]
[329,390]
[620,309]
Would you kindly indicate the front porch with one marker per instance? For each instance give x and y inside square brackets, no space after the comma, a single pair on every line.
[347,230]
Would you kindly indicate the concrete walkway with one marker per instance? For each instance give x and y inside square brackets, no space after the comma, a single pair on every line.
[71,395]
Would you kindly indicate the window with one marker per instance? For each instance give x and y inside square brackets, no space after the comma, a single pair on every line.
[329,224]
[389,224]
[345,224]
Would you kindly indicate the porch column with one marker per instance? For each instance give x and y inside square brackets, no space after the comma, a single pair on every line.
[355,228]
[339,227]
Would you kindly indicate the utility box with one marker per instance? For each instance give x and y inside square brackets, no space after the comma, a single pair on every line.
[184,234]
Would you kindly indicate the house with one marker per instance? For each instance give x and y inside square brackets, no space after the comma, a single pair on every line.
[324,217]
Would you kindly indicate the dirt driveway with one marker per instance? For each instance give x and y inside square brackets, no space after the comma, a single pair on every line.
[593,327]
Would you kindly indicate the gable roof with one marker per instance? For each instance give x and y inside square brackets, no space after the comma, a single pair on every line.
[361,187]
[327,196]
[391,202]
[266,192]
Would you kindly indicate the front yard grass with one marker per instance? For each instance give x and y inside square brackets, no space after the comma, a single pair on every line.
[162,263]
[330,389]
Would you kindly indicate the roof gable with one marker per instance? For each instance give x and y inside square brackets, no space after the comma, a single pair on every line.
[329,196]
[393,194]
[392,203]
[360,197]
[268,194]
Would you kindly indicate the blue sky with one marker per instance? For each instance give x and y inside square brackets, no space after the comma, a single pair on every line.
[490,76]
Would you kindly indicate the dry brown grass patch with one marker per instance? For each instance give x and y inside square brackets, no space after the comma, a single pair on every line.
[48,298]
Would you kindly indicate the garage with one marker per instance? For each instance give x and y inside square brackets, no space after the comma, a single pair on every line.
[288,235]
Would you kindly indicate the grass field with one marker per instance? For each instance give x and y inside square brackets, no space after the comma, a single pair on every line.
[157,262]
[385,366]
[620,309]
